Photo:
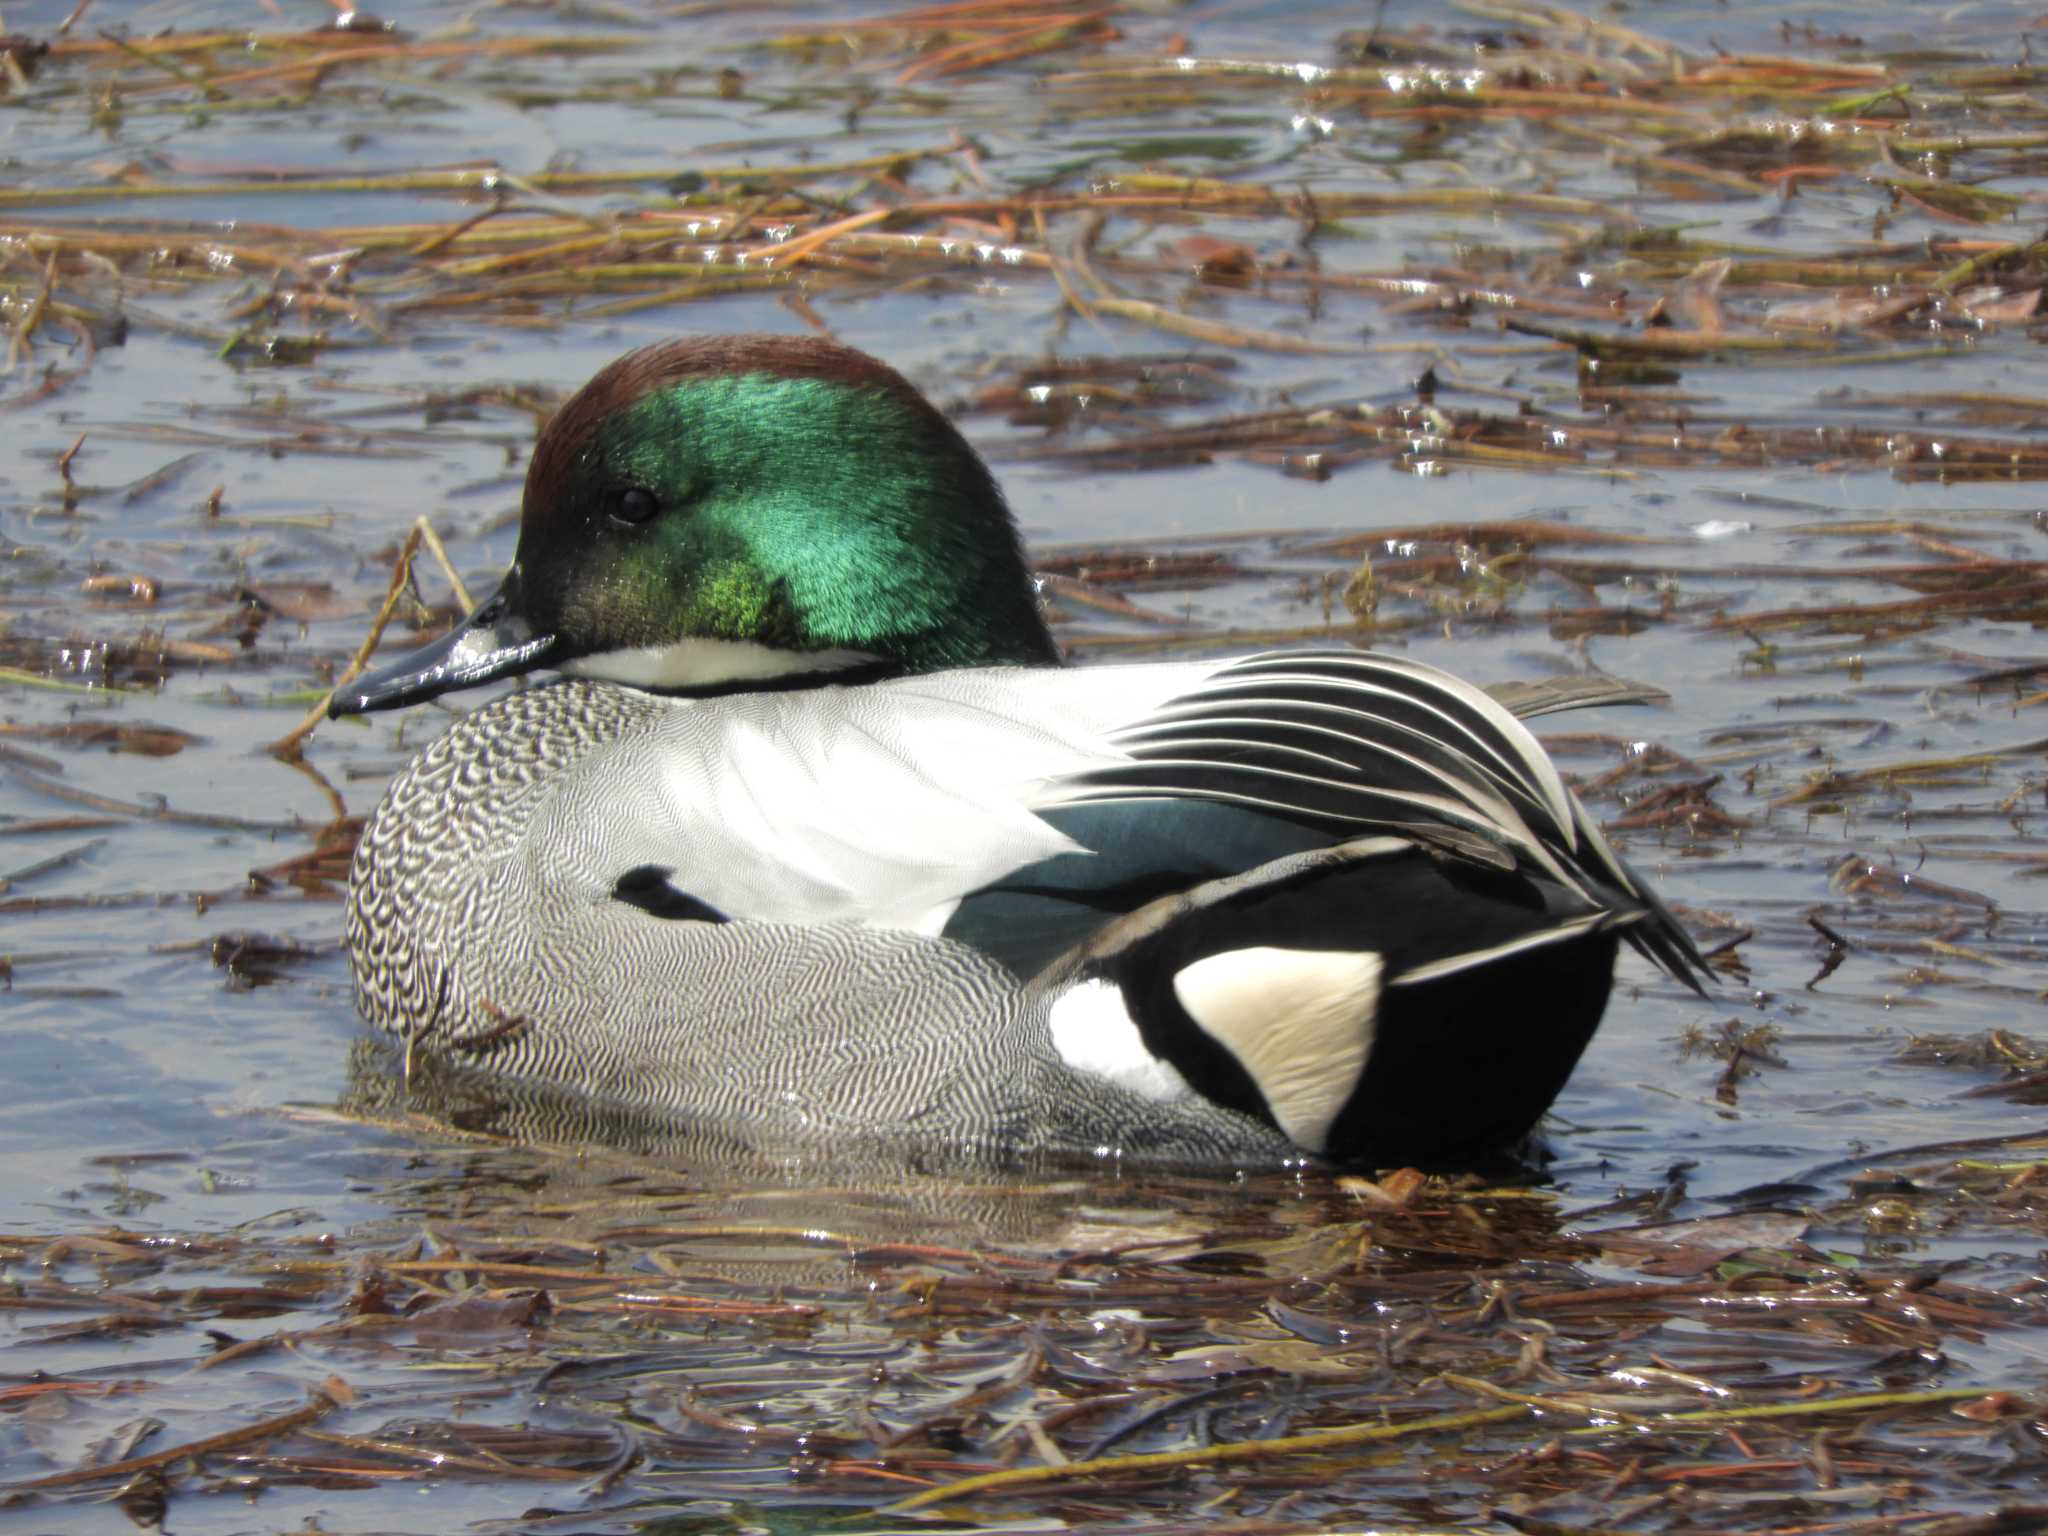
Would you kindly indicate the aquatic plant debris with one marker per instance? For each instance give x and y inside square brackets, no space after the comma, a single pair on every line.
[1916,143]
[1166,1347]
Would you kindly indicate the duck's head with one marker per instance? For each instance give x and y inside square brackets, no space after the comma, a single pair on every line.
[739,510]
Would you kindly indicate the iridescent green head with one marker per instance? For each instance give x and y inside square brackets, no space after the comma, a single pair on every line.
[738,508]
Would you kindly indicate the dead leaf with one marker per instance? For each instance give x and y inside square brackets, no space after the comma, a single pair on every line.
[1211,257]
[1846,312]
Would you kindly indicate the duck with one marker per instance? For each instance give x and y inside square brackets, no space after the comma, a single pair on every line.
[811,836]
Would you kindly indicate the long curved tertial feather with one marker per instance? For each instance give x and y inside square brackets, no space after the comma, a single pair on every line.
[1383,744]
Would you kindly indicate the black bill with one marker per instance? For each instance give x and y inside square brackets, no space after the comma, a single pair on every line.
[493,642]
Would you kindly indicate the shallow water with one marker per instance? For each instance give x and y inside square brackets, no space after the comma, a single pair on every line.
[149,1091]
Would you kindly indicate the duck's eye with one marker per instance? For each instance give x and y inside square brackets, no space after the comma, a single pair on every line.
[634,505]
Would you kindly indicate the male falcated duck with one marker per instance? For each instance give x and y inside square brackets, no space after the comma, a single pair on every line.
[817,840]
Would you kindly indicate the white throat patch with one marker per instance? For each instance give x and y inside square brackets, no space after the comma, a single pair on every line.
[699,663]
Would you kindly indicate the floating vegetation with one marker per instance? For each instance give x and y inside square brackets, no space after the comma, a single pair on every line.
[1146,1350]
[1919,142]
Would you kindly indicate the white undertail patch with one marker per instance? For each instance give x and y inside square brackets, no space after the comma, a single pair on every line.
[1299,1021]
[1094,1033]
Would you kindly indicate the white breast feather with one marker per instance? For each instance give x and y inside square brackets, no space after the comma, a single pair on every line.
[882,804]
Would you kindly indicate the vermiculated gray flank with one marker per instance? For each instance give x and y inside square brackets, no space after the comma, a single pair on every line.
[482,923]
